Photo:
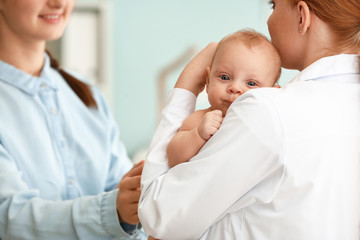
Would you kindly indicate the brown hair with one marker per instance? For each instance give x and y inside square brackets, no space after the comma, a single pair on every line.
[250,38]
[81,89]
[343,17]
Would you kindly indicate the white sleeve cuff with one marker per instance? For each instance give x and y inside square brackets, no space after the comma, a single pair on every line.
[181,102]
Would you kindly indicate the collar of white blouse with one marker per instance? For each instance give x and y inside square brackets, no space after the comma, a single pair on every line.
[328,68]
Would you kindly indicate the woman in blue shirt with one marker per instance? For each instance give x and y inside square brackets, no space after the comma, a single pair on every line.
[60,158]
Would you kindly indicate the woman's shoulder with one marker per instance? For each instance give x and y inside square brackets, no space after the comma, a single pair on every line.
[262,94]
[102,108]
[275,101]
[282,94]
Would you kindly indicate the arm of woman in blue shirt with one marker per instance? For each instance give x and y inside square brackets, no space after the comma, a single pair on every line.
[24,215]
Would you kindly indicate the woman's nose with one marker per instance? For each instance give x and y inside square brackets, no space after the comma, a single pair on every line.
[57,3]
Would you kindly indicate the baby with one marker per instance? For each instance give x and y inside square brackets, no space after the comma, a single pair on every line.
[243,60]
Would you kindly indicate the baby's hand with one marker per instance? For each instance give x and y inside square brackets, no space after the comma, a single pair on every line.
[210,124]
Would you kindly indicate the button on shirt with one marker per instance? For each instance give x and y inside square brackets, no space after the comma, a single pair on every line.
[59,160]
[284,165]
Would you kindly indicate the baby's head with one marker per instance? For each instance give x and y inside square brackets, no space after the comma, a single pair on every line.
[243,60]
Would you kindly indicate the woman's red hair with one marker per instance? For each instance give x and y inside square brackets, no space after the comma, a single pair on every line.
[343,17]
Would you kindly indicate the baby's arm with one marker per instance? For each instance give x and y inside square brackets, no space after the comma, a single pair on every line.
[192,135]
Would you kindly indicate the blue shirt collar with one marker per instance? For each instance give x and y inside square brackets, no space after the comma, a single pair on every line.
[26,82]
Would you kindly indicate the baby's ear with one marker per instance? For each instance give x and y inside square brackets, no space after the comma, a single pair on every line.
[207,77]
[277,86]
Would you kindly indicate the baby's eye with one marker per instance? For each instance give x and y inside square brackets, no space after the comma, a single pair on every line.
[224,77]
[251,83]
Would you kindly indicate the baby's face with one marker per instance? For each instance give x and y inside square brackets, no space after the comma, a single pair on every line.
[237,69]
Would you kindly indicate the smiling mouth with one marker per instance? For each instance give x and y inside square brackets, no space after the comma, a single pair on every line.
[51,16]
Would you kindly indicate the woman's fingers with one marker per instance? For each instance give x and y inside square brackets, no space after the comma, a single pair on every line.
[130,182]
[129,194]
[192,77]
[137,169]
[136,166]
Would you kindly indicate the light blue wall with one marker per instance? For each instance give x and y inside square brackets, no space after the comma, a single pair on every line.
[150,34]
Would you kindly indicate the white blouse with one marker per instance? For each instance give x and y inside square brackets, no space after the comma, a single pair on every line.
[285,164]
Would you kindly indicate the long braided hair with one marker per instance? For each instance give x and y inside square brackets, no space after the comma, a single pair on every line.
[81,89]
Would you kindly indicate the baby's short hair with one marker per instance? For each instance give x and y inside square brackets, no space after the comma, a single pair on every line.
[248,36]
[251,38]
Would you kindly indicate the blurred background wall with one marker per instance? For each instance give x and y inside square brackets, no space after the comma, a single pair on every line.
[136,50]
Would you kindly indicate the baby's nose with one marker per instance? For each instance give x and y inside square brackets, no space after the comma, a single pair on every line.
[236,89]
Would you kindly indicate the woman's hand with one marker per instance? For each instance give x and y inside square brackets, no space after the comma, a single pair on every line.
[128,196]
[151,238]
[192,77]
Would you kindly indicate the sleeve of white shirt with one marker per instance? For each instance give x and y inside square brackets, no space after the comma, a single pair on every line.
[240,165]
[180,105]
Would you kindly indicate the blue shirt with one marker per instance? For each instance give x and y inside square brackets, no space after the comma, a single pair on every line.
[59,160]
